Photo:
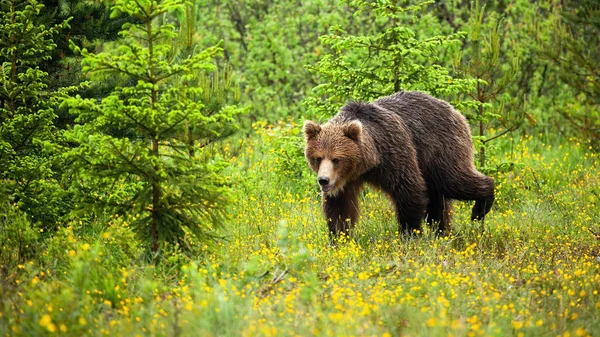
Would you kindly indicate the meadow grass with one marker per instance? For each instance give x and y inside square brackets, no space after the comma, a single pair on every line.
[533,268]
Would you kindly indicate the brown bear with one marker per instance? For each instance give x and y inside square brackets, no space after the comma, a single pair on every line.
[415,147]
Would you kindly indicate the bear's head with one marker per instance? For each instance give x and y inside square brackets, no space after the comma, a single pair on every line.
[332,151]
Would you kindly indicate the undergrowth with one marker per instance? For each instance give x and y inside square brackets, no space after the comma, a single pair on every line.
[533,268]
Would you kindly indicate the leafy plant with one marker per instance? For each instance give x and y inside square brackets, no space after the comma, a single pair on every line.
[269,43]
[156,134]
[18,240]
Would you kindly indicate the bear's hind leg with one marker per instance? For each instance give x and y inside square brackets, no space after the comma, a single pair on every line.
[341,211]
[473,186]
[481,208]
[438,213]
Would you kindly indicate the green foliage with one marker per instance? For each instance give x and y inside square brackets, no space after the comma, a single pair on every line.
[279,47]
[18,243]
[82,275]
[269,43]
[572,48]
[365,67]
[154,136]
[277,275]
[27,134]
[282,141]
[90,26]
[489,97]
[150,151]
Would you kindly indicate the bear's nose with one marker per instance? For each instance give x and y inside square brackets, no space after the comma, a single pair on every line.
[323,181]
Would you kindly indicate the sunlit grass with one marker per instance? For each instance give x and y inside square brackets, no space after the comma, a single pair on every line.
[533,269]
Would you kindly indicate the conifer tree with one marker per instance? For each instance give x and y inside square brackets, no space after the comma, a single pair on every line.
[482,63]
[370,66]
[89,26]
[27,133]
[573,48]
[155,135]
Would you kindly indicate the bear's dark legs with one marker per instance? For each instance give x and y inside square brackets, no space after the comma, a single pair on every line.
[474,186]
[341,211]
[409,210]
[481,208]
[408,192]
[438,213]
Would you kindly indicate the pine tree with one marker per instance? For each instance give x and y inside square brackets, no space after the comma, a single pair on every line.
[154,136]
[573,48]
[482,63]
[27,133]
[371,66]
[90,25]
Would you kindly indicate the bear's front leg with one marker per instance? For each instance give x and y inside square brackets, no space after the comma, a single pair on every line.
[341,210]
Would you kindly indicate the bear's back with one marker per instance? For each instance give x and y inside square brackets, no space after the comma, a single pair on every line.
[440,135]
[425,116]
[436,128]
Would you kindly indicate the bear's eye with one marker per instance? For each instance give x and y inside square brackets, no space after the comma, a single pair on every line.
[335,161]
[318,160]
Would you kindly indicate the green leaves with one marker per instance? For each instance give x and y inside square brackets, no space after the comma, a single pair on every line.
[365,67]
[151,136]
[569,42]
[489,96]
[27,134]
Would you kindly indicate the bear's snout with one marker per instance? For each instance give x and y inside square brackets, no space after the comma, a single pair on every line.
[323,181]
[326,176]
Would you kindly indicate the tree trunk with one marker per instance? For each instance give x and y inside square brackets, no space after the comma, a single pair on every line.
[481,134]
[156,193]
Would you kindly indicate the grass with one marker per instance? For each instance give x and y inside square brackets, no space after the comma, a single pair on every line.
[534,270]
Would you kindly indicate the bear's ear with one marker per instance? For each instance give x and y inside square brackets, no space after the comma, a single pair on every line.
[311,129]
[353,130]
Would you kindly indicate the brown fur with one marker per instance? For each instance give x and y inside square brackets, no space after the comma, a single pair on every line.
[414,147]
